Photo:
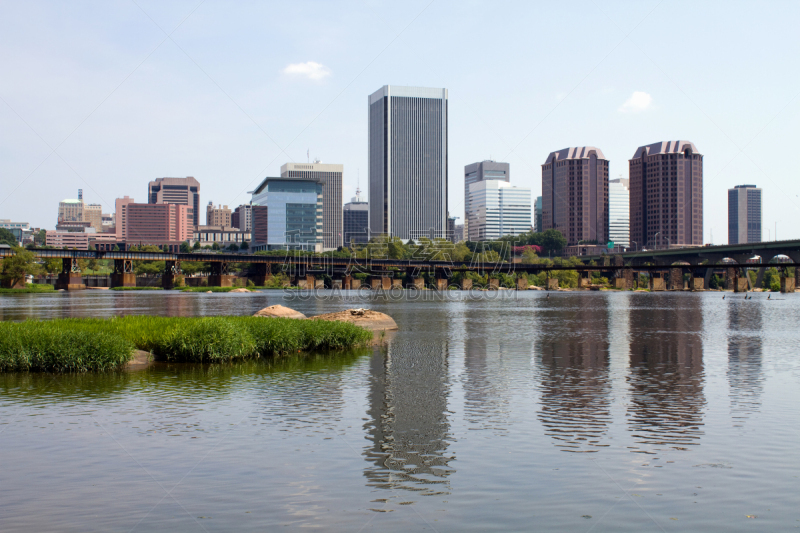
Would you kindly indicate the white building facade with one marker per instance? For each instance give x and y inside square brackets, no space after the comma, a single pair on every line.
[498,209]
[619,215]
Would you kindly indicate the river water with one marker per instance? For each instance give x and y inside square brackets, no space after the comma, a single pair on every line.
[506,411]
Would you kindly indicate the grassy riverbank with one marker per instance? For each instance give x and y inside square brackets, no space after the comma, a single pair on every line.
[80,345]
[30,287]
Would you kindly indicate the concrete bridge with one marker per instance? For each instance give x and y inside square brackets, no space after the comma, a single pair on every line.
[667,269]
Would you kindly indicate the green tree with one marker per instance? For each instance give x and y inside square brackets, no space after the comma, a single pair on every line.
[244,246]
[215,246]
[196,245]
[16,267]
[6,237]
[185,249]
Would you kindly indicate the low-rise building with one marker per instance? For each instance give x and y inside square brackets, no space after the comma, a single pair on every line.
[222,235]
[218,216]
[67,239]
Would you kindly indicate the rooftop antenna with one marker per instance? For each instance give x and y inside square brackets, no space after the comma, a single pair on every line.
[358,182]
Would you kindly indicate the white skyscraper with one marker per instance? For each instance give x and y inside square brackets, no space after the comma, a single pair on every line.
[619,224]
[497,209]
[408,162]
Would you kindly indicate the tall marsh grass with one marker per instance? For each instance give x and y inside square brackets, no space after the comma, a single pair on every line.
[83,344]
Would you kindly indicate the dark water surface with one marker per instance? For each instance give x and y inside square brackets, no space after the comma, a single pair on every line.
[583,411]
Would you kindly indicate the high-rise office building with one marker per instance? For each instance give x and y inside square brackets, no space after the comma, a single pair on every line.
[120,215]
[497,209]
[575,194]
[242,217]
[619,226]
[287,214]
[744,214]
[181,191]
[356,220]
[408,162]
[218,216]
[330,176]
[666,185]
[537,215]
[485,170]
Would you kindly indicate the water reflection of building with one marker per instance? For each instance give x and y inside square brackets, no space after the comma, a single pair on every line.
[744,359]
[574,367]
[666,375]
[493,359]
[408,423]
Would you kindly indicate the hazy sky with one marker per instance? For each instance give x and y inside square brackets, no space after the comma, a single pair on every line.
[106,96]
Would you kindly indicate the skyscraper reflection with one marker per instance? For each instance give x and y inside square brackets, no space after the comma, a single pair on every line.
[575,375]
[666,374]
[407,418]
[744,359]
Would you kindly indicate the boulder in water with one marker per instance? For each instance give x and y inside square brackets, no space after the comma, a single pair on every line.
[279,311]
[365,318]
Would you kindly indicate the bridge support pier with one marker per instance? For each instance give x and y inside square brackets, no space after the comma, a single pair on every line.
[584,280]
[466,284]
[380,283]
[676,279]
[787,283]
[522,284]
[657,282]
[397,283]
[740,282]
[417,283]
[123,275]
[441,284]
[260,274]
[552,284]
[796,277]
[219,276]
[70,278]
[494,284]
[730,275]
[171,274]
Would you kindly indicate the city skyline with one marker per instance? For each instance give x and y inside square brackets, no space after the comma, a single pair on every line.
[122,104]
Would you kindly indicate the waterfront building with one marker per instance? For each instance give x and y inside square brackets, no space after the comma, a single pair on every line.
[67,239]
[484,170]
[619,226]
[157,224]
[497,209]
[666,195]
[222,235]
[537,215]
[330,176]
[218,216]
[6,223]
[575,194]
[744,214]
[287,214]
[242,218]
[408,162]
[181,191]
[356,220]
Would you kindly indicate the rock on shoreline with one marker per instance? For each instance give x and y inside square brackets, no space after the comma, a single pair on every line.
[279,311]
[365,318]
